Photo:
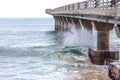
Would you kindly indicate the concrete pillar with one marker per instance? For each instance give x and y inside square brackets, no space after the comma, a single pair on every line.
[70,23]
[103,35]
[76,22]
[65,24]
[117,30]
[56,23]
[102,40]
[69,19]
[61,23]
[103,55]
[87,24]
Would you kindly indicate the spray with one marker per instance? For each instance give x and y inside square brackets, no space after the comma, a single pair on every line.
[78,37]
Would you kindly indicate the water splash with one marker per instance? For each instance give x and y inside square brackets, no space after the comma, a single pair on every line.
[114,41]
[78,37]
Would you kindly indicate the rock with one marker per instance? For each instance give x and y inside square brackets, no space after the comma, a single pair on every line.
[114,70]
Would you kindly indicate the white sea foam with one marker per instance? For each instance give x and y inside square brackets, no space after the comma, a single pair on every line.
[114,41]
[78,37]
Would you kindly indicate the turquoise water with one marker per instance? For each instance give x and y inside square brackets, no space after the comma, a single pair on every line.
[30,49]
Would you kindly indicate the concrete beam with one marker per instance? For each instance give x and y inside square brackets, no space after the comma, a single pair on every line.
[76,22]
[101,26]
[87,24]
[111,20]
[113,12]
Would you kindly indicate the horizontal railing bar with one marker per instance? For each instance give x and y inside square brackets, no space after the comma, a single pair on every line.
[90,4]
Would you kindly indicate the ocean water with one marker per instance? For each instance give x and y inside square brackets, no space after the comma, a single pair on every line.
[30,49]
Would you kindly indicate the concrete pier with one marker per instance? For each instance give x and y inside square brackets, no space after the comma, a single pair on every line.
[104,14]
[102,55]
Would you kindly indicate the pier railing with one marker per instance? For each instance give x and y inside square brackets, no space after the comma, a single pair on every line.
[90,4]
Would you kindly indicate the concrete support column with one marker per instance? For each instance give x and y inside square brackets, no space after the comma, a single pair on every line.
[59,23]
[76,22]
[103,55]
[87,24]
[56,27]
[102,40]
[69,19]
[103,35]
[65,24]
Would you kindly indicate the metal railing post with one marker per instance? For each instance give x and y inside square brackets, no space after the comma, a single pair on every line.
[96,4]
[113,3]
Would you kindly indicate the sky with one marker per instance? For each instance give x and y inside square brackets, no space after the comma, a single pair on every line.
[29,8]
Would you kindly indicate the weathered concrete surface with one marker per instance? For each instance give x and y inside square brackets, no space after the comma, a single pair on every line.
[61,23]
[87,24]
[69,20]
[103,35]
[102,40]
[76,22]
[114,70]
[96,11]
[58,22]
[57,27]
[102,57]
[65,23]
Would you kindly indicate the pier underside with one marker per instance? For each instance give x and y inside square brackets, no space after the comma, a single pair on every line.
[101,55]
